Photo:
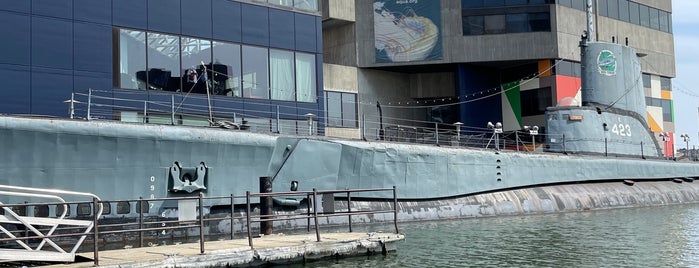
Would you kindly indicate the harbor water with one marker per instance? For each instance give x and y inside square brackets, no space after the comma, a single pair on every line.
[664,236]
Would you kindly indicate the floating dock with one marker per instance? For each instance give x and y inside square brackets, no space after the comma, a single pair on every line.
[271,249]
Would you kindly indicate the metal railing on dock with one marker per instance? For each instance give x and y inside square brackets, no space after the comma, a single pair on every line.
[191,214]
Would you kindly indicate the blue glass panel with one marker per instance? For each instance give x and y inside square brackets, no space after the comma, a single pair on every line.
[305,32]
[196,18]
[53,8]
[226,20]
[255,23]
[82,81]
[281,29]
[50,87]
[15,93]
[93,47]
[99,11]
[17,51]
[50,47]
[14,5]
[164,15]
[100,83]
[130,13]
[319,35]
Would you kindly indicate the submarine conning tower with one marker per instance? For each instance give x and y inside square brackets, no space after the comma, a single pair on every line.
[611,78]
[612,119]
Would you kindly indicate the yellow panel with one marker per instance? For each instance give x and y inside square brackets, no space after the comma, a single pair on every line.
[544,68]
[654,126]
[665,94]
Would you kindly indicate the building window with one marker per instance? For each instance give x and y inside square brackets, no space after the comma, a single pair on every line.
[305,77]
[163,62]
[628,11]
[194,53]
[131,55]
[341,109]
[281,71]
[227,69]
[473,25]
[665,83]
[667,110]
[568,68]
[634,13]
[255,73]
[646,80]
[535,101]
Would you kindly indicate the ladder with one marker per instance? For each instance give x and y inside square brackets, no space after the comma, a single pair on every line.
[36,224]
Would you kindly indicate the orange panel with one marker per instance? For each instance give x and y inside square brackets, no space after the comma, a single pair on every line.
[654,126]
[544,68]
[567,86]
[666,94]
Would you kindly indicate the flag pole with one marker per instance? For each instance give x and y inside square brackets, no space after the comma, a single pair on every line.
[208,94]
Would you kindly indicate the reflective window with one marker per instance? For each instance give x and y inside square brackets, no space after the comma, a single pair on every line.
[196,56]
[665,83]
[305,77]
[333,107]
[579,4]
[163,62]
[281,74]
[667,110]
[664,21]
[540,22]
[654,19]
[613,9]
[645,16]
[495,24]
[518,23]
[132,59]
[473,25]
[567,3]
[535,101]
[311,5]
[349,110]
[226,76]
[646,80]
[516,2]
[634,13]
[341,109]
[624,10]
[493,3]
[255,73]
[603,8]
[282,2]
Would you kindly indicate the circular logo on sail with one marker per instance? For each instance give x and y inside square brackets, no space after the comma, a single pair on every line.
[606,63]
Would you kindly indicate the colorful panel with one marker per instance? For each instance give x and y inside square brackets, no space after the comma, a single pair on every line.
[653,124]
[567,86]
[544,68]
[512,106]
[665,94]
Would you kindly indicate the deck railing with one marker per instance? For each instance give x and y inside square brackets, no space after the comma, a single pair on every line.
[144,224]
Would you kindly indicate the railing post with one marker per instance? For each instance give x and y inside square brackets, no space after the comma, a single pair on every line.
[605,146]
[201,223]
[363,126]
[89,103]
[395,208]
[266,205]
[278,129]
[140,221]
[145,112]
[172,109]
[232,213]
[642,156]
[436,133]
[349,209]
[315,213]
[247,215]
[95,246]
[308,213]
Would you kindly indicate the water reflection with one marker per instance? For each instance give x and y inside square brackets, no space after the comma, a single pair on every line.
[642,237]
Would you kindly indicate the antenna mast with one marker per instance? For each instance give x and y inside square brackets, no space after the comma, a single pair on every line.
[591,34]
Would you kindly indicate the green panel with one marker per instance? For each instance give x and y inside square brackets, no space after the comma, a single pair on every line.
[512,92]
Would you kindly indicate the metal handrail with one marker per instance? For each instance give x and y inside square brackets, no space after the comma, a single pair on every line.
[143,226]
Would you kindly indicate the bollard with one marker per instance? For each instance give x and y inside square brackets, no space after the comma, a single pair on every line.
[265,206]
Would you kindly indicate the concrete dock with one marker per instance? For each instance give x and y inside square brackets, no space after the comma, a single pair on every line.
[271,249]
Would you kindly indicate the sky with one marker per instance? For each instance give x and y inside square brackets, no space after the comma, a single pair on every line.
[685,86]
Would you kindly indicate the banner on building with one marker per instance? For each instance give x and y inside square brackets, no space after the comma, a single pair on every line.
[407,30]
